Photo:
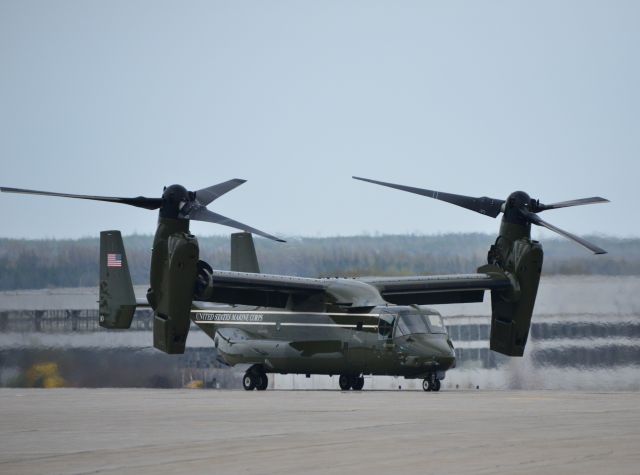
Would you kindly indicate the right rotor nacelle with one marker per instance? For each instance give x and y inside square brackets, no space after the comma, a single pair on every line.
[513,255]
[516,255]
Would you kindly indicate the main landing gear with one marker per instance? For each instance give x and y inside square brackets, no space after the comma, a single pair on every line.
[255,378]
[349,381]
[431,383]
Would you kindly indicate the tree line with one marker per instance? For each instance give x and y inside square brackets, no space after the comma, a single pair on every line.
[46,263]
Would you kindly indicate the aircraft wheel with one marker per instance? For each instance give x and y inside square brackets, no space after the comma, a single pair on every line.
[248,382]
[262,381]
[436,385]
[358,383]
[426,384]
[345,382]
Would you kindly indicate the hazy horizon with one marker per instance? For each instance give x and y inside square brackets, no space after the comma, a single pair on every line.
[548,236]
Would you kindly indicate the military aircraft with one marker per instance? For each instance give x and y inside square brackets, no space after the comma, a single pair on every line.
[340,326]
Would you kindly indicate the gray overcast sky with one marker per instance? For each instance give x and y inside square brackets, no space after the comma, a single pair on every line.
[480,98]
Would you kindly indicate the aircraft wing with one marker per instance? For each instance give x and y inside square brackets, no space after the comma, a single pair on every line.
[438,289]
[267,290]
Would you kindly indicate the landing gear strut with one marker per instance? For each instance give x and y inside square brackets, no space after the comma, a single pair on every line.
[255,378]
[347,381]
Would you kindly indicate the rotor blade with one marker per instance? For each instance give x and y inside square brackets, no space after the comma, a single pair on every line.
[579,202]
[535,219]
[207,195]
[483,205]
[203,214]
[139,201]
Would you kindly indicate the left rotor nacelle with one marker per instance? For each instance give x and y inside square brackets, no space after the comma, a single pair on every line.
[173,277]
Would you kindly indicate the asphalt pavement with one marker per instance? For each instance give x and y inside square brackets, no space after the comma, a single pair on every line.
[140,431]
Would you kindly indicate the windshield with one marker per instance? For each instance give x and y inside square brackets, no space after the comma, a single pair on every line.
[410,323]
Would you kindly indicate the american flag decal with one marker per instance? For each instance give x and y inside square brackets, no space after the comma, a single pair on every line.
[114,260]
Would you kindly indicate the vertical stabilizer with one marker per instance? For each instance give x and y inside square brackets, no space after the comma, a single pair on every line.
[243,253]
[117,300]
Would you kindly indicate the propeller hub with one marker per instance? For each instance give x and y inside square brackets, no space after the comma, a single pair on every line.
[174,198]
[517,202]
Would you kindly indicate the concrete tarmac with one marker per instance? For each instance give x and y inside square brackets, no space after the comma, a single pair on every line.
[134,431]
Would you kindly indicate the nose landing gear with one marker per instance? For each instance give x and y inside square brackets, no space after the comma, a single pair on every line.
[431,383]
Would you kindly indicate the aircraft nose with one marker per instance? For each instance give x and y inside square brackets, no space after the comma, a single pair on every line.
[439,349]
[446,362]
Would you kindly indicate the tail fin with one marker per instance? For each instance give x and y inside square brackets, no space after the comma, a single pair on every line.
[117,300]
[243,253]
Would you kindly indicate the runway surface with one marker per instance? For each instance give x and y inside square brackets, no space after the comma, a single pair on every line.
[125,431]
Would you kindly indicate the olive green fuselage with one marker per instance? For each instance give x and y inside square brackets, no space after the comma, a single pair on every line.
[378,342]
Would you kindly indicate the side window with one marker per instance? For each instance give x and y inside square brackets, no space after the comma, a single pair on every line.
[402,328]
[385,326]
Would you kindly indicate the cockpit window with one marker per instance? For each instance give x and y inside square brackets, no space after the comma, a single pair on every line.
[410,323]
[435,323]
